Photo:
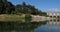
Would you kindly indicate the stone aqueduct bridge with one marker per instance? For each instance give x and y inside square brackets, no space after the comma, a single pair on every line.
[52,16]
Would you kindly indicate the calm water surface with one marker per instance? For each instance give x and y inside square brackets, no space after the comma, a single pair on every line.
[49,27]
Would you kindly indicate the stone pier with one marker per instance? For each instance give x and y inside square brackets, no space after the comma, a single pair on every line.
[54,16]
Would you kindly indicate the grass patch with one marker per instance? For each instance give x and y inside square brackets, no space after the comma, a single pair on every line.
[6,17]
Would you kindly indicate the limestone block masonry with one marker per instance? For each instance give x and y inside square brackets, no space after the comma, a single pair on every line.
[54,16]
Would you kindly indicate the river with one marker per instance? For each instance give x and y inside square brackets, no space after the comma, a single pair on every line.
[30,27]
[49,27]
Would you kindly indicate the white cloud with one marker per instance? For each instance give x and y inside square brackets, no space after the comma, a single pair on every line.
[54,9]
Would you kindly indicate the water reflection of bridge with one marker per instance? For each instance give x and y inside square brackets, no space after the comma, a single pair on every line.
[53,23]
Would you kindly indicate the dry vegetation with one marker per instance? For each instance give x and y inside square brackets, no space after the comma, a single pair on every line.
[6,17]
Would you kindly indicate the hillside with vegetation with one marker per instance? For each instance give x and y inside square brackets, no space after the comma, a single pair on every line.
[12,17]
[7,7]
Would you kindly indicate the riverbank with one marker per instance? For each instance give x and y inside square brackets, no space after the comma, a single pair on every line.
[14,17]
[6,17]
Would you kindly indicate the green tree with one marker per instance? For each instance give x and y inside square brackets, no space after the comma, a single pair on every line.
[18,8]
[24,8]
[32,9]
[9,8]
[6,7]
[1,6]
[28,18]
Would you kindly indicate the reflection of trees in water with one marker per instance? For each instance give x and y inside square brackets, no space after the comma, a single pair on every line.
[17,26]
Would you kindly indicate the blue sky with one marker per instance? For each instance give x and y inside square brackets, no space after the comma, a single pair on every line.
[40,4]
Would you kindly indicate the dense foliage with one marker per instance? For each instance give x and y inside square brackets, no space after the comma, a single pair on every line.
[28,18]
[7,7]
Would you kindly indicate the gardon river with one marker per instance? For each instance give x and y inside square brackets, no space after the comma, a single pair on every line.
[49,27]
[30,27]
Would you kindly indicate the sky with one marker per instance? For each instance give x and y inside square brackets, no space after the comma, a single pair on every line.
[44,5]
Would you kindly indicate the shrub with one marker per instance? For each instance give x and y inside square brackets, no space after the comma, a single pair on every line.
[28,18]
